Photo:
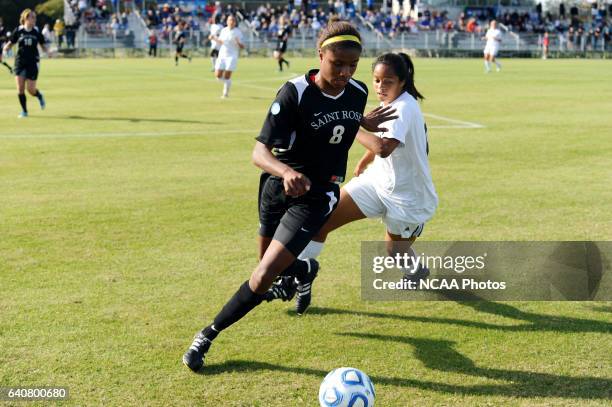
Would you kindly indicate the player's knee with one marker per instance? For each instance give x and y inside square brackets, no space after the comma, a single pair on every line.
[261,279]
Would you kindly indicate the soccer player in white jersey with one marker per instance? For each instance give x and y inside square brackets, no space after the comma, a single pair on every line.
[493,38]
[393,181]
[230,39]
[215,30]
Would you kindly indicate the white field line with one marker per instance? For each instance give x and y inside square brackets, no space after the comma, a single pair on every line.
[128,134]
[457,124]
[169,133]
[460,123]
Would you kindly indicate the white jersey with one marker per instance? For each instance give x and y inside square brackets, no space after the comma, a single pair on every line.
[230,48]
[493,37]
[215,29]
[403,177]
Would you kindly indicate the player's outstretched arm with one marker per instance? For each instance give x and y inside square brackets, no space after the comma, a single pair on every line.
[372,121]
[296,183]
[381,146]
[367,158]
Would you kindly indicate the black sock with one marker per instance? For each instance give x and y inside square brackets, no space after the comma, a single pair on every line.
[176,60]
[184,56]
[280,64]
[285,61]
[38,94]
[22,102]
[241,303]
[297,269]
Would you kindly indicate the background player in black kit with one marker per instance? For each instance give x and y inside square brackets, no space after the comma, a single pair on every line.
[282,36]
[179,39]
[3,39]
[311,124]
[27,61]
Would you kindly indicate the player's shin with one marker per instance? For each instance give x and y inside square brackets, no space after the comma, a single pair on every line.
[23,102]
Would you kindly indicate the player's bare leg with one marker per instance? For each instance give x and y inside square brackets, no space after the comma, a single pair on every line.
[396,244]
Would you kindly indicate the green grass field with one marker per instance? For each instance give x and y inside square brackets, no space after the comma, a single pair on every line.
[128,217]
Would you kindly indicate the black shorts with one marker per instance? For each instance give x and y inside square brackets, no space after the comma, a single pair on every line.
[28,71]
[179,49]
[281,47]
[214,53]
[294,221]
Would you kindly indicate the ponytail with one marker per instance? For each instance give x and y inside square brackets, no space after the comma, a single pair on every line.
[409,84]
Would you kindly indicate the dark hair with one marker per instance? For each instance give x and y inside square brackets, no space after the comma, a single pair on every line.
[335,28]
[403,68]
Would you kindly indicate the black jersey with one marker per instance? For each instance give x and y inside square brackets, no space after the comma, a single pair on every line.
[179,37]
[283,34]
[28,42]
[311,131]
[3,36]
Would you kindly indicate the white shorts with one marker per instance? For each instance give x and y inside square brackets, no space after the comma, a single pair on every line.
[491,50]
[226,63]
[375,205]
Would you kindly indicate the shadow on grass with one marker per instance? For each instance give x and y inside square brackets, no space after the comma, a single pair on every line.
[439,355]
[532,322]
[126,119]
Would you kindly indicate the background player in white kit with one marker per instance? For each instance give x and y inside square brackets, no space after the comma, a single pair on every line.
[230,38]
[493,37]
[393,181]
[215,30]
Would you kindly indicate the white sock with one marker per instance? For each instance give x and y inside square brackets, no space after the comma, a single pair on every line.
[226,87]
[311,251]
[214,62]
[498,65]
[487,66]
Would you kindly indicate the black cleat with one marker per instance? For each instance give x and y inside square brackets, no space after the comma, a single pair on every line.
[283,289]
[304,288]
[194,357]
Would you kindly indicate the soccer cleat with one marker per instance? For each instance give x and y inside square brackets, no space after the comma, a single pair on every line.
[421,274]
[194,357]
[22,115]
[304,288]
[284,288]
[41,99]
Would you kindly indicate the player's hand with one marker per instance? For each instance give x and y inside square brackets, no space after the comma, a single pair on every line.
[359,169]
[372,121]
[295,183]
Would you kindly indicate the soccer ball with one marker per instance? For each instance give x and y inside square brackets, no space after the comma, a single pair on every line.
[346,387]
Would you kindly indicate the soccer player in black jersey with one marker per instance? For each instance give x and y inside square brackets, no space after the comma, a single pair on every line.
[27,61]
[282,36]
[311,125]
[180,37]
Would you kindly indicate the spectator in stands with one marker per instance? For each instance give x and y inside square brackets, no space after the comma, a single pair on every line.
[153,44]
[48,34]
[59,28]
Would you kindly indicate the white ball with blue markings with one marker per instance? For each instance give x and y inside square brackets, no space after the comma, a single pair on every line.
[346,387]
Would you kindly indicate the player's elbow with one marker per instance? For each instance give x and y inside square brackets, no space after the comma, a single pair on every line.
[384,153]
[257,158]
[386,148]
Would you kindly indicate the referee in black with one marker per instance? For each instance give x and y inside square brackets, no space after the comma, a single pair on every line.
[282,36]
[310,126]
[27,61]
